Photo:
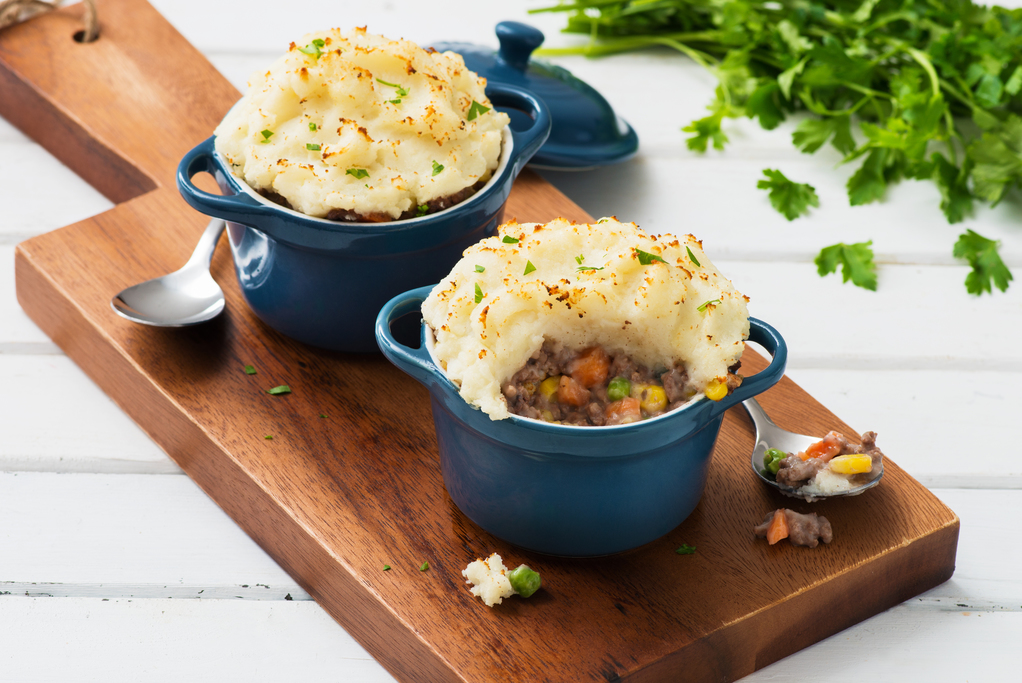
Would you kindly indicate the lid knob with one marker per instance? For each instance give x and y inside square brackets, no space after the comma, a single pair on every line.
[517,41]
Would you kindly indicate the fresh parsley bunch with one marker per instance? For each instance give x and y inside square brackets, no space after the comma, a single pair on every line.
[934,86]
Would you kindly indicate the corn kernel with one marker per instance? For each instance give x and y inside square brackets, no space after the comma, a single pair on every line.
[653,399]
[548,387]
[851,464]
[716,390]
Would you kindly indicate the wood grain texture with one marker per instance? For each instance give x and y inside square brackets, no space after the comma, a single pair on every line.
[332,499]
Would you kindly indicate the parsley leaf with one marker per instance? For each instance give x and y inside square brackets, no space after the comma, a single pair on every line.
[424,566]
[250,370]
[986,263]
[508,239]
[956,200]
[479,293]
[686,549]
[791,199]
[868,183]
[267,134]
[582,269]
[312,147]
[277,391]
[480,269]
[359,173]
[856,261]
[529,268]
[706,130]
[313,49]
[476,110]
[812,134]
[692,257]
[437,167]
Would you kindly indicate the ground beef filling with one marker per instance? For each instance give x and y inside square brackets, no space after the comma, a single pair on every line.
[347,215]
[594,388]
[796,472]
[805,530]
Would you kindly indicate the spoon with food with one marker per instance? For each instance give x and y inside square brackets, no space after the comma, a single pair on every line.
[185,297]
[810,467]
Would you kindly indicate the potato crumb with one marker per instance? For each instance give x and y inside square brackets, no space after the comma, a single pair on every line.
[489,580]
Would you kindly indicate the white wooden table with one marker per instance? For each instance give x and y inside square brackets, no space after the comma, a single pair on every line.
[115,567]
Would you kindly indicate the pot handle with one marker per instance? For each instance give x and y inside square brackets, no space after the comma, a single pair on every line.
[526,142]
[416,362]
[772,341]
[237,208]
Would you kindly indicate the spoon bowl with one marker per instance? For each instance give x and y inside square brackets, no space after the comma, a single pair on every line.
[188,296]
[769,435]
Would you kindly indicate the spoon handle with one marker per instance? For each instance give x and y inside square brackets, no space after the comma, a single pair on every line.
[203,254]
[756,412]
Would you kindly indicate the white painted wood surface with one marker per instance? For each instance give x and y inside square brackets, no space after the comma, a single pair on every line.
[115,567]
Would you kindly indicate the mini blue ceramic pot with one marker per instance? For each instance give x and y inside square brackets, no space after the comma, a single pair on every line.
[322,282]
[565,490]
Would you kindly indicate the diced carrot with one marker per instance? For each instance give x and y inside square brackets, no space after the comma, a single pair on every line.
[825,449]
[778,528]
[591,366]
[624,411]
[571,392]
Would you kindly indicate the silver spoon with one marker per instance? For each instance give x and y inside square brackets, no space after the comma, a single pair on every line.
[769,435]
[185,297]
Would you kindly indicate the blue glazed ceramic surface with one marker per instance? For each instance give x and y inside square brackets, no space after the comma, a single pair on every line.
[586,132]
[322,282]
[565,490]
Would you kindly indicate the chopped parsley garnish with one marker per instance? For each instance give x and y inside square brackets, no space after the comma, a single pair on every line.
[479,293]
[437,167]
[402,92]
[692,257]
[276,391]
[250,370]
[508,239]
[686,549]
[312,146]
[323,415]
[529,267]
[702,307]
[480,269]
[312,126]
[421,210]
[268,437]
[424,566]
[397,101]
[582,269]
[579,259]
[476,110]
[359,173]
[267,134]
[386,567]
[313,49]
[646,258]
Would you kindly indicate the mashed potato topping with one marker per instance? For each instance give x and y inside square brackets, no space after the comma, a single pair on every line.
[355,123]
[658,299]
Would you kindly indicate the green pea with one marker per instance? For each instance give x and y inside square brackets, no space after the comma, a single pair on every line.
[774,466]
[618,389]
[524,581]
[775,454]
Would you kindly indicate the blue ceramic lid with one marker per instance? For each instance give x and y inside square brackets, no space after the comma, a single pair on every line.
[586,132]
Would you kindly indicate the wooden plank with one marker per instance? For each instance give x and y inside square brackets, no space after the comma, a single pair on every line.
[312,497]
[121,641]
[65,423]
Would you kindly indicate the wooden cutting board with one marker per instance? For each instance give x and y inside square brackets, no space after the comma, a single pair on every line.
[350,480]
